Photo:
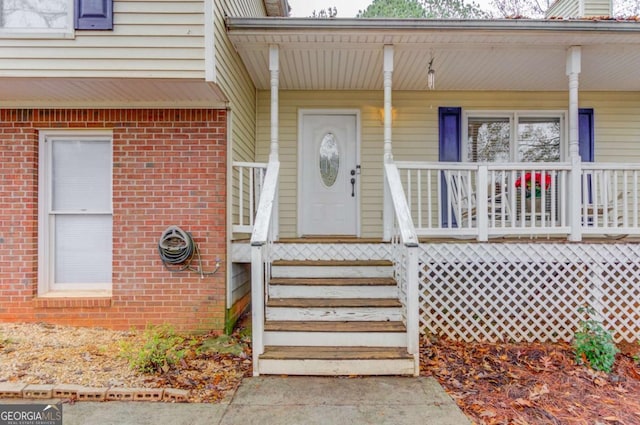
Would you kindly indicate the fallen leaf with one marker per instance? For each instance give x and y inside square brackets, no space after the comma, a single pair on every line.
[538,391]
[488,414]
[600,382]
[523,402]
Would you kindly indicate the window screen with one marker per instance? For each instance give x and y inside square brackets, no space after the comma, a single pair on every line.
[538,139]
[80,215]
[488,140]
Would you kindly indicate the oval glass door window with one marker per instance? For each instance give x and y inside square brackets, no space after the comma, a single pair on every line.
[329,159]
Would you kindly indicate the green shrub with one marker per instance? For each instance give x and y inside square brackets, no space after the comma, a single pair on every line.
[594,345]
[161,349]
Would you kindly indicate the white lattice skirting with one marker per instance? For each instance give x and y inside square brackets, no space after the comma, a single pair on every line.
[528,291]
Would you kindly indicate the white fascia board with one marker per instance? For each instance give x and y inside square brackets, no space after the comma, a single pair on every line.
[361,24]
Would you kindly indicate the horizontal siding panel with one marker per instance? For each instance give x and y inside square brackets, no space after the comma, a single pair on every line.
[151,39]
[145,53]
[174,30]
[145,42]
[597,8]
[168,19]
[159,7]
[93,64]
[415,133]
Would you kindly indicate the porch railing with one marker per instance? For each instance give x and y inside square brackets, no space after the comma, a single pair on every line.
[610,195]
[405,254]
[488,200]
[261,244]
[248,181]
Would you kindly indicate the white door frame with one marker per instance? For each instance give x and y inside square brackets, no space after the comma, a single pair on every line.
[301,114]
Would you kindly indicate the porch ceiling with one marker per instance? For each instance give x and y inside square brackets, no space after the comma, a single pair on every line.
[343,54]
[106,92]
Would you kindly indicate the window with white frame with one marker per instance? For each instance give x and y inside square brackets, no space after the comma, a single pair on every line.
[514,137]
[75,212]
[36,15]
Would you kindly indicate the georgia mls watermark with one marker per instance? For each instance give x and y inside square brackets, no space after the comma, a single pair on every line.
[31,414]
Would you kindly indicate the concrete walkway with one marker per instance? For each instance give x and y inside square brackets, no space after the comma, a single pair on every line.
[292,401]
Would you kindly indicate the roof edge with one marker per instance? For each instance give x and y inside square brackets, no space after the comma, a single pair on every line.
[377,24]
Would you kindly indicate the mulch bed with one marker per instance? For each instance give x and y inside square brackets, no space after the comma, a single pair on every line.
[533,383]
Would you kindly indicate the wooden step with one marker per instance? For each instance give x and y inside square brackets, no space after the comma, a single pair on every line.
[305,360]
[336,281]
[342,326]
[371,287]
[334,309]
[334,353]
[336,333]
[334,302]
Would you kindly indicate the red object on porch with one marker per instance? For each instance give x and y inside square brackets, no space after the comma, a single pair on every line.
[537,180]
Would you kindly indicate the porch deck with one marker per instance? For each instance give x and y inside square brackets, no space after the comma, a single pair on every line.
[484,260]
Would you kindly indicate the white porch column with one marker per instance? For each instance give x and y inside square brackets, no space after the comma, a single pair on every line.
[274,69]
[387,210]
[575,193]
[387,75]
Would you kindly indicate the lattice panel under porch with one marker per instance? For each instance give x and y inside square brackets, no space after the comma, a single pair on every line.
[528,291]
[400,273]
[331,251]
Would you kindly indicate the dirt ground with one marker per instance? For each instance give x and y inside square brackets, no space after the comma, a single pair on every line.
[492,383]
[212,367]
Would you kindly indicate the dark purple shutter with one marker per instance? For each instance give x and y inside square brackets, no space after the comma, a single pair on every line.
[586,134]
[450,147]
[93,14]
[586,142]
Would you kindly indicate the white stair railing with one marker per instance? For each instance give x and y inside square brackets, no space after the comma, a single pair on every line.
[248,180]
[405,259]
[261,245]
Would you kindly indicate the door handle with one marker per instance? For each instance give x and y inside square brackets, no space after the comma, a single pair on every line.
[353,183]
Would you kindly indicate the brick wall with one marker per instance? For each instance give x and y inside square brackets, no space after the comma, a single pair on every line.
[169,167]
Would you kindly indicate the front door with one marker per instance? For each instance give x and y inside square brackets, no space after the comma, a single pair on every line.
[328,174]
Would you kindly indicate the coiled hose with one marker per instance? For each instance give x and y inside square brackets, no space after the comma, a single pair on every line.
[177,250]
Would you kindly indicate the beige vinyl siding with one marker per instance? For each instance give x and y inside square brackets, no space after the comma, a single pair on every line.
[597,8]
[236,84]
[415,133]
[150,39]
[617,125]
[254,8]
[579,8]
[233,78]
[564,8]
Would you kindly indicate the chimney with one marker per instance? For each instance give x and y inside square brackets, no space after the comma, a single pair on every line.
[575,9]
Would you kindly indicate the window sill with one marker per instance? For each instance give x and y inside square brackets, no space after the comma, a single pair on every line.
[74,299]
